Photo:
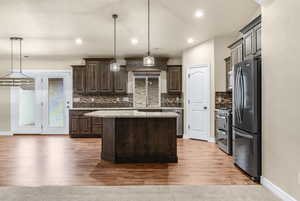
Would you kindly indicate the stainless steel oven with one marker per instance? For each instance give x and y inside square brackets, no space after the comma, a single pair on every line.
[224,130]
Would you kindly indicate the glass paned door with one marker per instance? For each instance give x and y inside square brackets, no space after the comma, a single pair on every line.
[57,93]
[25,109]
[43,109]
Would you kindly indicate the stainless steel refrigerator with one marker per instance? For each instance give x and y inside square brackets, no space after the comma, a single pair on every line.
[247,117]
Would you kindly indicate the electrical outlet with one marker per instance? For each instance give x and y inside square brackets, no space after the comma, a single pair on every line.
[125,99]
[118,99]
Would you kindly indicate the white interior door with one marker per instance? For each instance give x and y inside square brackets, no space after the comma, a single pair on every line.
[198,102]
[44,109]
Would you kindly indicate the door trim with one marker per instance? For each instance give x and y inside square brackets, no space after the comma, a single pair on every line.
[208,138]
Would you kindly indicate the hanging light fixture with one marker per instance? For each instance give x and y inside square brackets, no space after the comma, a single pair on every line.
[14,78]
[149,60]
[114,66]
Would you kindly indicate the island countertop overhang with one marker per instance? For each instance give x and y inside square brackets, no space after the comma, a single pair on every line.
[131,114]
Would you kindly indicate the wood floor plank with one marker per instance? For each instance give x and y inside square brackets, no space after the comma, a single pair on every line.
[59,160]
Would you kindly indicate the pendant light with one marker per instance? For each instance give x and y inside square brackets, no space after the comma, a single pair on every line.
[13,78]
[114,66]
[149,60]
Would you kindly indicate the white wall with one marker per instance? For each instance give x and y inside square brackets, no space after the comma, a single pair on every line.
[221,52]
[281,94]
[200,54]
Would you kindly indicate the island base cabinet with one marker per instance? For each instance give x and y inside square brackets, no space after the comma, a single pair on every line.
[139,140]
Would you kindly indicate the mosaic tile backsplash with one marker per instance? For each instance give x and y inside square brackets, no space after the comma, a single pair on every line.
[108,101]
[111,101]
[223,100]
[169,100]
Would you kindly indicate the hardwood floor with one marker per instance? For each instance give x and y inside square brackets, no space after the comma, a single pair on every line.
[60,160]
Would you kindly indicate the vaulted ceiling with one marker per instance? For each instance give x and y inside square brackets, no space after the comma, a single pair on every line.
[49,27]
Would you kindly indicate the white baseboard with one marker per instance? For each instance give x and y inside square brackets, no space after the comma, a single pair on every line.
[276,190]
[6,133]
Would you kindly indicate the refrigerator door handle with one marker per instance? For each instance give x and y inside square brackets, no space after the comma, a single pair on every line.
[242,95]
[239,95]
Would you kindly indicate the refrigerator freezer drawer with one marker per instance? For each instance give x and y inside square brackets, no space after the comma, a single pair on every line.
[247,152]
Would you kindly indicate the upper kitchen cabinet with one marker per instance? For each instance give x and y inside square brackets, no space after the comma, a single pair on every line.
[236,52]
[99,79]
[229,74]
[252,38]
[79,79]
[174,79]
[105,79]
[92,71]
[120,81]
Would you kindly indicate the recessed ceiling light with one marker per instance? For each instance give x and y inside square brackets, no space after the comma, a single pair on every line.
[199,14]
[134,41]
[190,40]
[78,41]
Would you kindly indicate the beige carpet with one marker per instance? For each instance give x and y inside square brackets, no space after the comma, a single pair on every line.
[138,193]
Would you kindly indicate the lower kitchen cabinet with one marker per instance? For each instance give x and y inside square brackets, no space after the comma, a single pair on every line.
[84,127]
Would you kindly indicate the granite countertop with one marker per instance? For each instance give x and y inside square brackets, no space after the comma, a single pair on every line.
[130,108]
[131,114]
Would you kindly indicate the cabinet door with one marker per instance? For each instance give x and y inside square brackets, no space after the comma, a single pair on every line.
[97,126]
[120,81]
[236,55]
[92,76]
[174,79]
[248,44]
[239,50]
[79,80]
[257,39]
[105,82]
[74,125]
[85,125]
[228,74]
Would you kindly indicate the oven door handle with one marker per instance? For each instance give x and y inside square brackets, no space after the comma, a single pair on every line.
[221,117]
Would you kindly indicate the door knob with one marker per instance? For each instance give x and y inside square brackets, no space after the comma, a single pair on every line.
[205,108]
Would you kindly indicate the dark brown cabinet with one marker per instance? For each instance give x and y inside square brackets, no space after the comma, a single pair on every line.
[97,126]
[79,79]
[257,37]
[174,79]
[120,81]
[105,78]
[252,38]
[95,78]
[84,127]
[229,74]
[92,76]
[236,52]
[248,44]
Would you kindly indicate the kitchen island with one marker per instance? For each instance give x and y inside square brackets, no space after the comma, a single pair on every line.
[131,136]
